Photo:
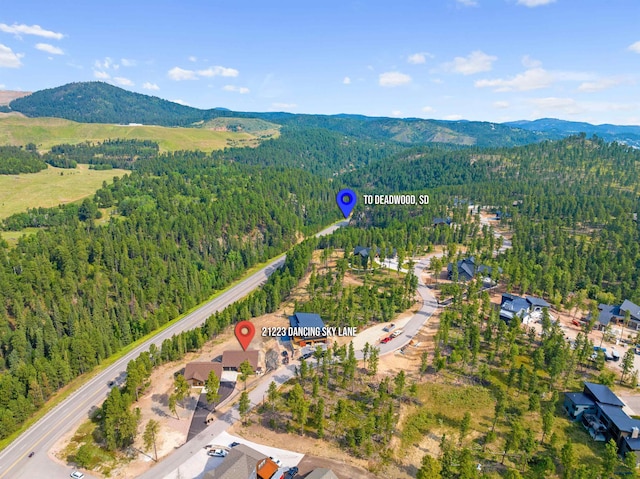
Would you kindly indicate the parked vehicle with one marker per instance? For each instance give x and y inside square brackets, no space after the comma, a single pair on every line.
[277,461]
[217,453]
[397,333]
[290,474]
[389,327]
[385,340]
[615,356]
[76,475]
[306,356]
[234,444]
[637,349]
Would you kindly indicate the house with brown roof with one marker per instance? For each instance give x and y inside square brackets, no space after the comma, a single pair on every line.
[231,360]
[196,373]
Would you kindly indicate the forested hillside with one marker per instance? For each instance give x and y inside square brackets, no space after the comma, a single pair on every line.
[14,160]
[77,293]
[98,102]
[570,204]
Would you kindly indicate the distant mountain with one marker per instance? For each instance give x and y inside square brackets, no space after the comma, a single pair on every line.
[98,102]
[7,96]
[628,134]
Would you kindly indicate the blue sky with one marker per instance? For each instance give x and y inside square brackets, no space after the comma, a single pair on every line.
[494,60]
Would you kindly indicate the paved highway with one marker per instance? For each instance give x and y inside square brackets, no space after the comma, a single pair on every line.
[41,436]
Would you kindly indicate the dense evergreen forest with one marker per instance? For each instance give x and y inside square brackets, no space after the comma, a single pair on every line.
[15,160]
[570,204]
[118,153]
[184,227]
[98,102]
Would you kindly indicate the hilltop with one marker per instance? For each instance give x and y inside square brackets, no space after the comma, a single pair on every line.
[98,102]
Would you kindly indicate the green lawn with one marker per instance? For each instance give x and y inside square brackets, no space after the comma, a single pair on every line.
[50,187]
[46,132]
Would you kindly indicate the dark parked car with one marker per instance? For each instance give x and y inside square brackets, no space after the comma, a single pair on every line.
[111,384]
[290,474]
[285,353]
[306,356]
[234,444]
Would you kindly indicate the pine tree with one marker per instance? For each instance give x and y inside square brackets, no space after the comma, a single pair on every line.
[149,437]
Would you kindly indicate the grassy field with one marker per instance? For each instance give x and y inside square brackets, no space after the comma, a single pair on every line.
[50,187]
[46,132]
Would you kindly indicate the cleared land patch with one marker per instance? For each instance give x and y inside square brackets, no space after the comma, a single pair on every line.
[50,187]
[45,132]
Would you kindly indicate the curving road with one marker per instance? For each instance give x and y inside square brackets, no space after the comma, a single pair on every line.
[41,436]
[411,328]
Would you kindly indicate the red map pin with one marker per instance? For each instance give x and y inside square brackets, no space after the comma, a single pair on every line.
[245,331]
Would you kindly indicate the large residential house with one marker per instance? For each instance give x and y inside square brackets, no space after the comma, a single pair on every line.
[601,413]
[527,309]
[314,324]
[615,314]
[196,373]
[243,462]
[467,269]
[231,360]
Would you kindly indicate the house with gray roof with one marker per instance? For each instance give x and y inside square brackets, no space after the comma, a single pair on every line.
[322,473]
[467,268]
[602,414]
[613,314]
[524,308]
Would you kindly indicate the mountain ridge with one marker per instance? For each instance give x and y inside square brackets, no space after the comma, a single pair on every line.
[99,102]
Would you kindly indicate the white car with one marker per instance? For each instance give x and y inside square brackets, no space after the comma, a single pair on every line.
[397,333]
[218,453]
[277,461]
[77,475]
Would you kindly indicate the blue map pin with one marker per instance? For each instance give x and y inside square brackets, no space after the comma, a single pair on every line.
[346,200]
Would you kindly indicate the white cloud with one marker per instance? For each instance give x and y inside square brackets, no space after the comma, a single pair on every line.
[468,3]
[45,47]
[123,81]
[567,106]
[346,81]
[218,71]
[284,105]
[534,3]
[106,64]
[501,104]
[8,58]
[30,30]
[127,62]
[150,86]
[181,102]
[453,117]
[529,62]
[634,47]
[602,84]
[476,62]
[396,113]
[428,109]
[193,59]
[101,75]
[532,79]
[238,89]
[392,79]
[419,58]
[179,74]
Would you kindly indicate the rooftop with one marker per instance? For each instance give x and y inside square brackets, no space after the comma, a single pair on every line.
[200,370]
[580,399]
[322,473]
[602,394]
[306,320]
[634,309]
[240,463]
[233,359]
[538,302]
[619,418]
